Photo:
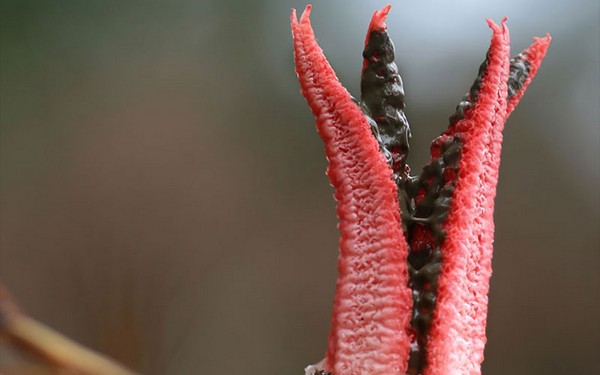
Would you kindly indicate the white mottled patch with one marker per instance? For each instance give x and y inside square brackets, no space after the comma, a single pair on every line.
[312,369]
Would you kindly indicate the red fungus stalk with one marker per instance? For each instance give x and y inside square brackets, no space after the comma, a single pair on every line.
[368,327]
[415,251]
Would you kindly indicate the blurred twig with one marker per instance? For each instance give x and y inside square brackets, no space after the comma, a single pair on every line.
[34,338]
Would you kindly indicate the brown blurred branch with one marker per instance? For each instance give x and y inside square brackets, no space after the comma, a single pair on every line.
[34,338]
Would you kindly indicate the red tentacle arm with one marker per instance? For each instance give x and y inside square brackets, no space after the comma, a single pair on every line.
[457,337]
[479,246]
[533,57]
[415,251]
[369,325]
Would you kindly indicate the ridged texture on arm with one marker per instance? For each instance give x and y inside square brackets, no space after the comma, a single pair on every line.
[457,336]
[372,303]
[533,57]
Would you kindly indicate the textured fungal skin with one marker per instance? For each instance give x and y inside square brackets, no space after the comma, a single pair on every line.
[415,252]
[457,337]
[423,200]
[382,95]
[431,202]
[532,57]
[372,302]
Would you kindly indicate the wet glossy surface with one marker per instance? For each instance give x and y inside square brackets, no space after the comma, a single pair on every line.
[425,199]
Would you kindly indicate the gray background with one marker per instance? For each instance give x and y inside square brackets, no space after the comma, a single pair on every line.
[163,197]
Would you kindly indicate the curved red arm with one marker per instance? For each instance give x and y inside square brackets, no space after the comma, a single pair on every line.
[415,251]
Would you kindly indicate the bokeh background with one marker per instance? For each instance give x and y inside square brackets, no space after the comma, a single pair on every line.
[163,196]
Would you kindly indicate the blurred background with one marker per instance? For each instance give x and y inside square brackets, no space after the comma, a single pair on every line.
[163,196]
